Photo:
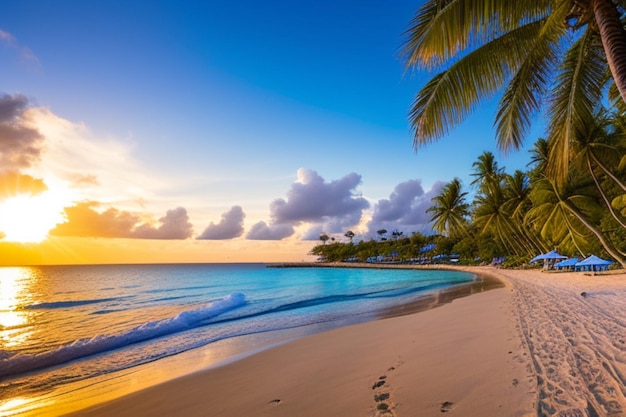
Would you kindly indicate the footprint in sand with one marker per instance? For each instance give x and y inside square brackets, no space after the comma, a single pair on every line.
[446,406]
[382,397]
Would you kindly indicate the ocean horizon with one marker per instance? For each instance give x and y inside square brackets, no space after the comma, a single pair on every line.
[93,332]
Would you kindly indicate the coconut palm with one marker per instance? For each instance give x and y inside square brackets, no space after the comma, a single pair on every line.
[566,214]
[450,209]
[517,203]
[598,150]
[487,173]
[559,50]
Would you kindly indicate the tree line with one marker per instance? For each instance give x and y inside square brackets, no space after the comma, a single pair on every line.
[521,214]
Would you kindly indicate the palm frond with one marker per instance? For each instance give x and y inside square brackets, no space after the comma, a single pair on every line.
[450,96]
[431,42]
[522,97]
[576,94]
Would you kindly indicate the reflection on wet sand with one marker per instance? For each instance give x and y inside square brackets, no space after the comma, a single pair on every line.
[444,296]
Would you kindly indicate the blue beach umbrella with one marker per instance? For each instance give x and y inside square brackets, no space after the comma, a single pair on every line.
[553,254]
[593,263]
[567,262]
[548,258]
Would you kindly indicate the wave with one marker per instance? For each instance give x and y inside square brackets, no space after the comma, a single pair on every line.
[340,298]
[102,343]
[69,304]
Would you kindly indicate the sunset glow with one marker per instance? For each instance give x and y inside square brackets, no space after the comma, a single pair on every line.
[28,219]
[216,141]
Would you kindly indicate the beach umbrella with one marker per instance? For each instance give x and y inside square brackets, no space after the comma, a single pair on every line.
[567,262]
[547,258]
[553,254]
[593,261]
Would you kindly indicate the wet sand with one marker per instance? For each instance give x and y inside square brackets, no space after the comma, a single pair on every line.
[535,346]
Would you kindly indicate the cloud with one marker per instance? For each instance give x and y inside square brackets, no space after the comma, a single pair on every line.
[263,231]
[84,221]
[86,181]
[94,168]
[20,141]
[230,227]
[405,209]
[311,199]
[13,183]
[329,205]
[175,225]
[25,55]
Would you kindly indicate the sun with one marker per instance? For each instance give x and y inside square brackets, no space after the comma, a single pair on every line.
[28,219]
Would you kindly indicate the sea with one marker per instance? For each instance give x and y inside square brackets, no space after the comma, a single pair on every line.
[74,336]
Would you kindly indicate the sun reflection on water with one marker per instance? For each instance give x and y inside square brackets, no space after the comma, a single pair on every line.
[15,286]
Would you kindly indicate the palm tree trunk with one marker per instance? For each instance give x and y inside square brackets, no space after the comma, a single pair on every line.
[613,40]
[607,172]
[603,195]
[604,242]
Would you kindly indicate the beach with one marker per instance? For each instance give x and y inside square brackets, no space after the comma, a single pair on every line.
[534,347]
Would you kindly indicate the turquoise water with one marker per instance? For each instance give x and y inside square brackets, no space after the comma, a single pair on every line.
[63,325]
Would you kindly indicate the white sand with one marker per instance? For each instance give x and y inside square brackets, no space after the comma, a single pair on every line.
[577,343]
[535,347]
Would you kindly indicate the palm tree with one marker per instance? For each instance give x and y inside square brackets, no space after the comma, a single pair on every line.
[485,46]
[382,233]
[565,214]
[486,171]
[597,149]
[324,238]
[350,235]
[517,189]
[450,209]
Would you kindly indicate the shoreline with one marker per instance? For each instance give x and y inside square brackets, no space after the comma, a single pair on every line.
[536,346]
[311,367]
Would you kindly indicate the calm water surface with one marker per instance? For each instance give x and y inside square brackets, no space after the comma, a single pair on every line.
[69,328]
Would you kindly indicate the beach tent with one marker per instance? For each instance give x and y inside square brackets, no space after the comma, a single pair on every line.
[548,258]
[567,264]
[553,254]
[593,263]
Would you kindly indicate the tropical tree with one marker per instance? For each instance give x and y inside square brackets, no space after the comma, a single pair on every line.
[491,217]
[324,238]
[350,235]
[517,189]
[397,234]
[487,173]
[450,209]
[568,215]
[598,150]
[553,51]
[382,233]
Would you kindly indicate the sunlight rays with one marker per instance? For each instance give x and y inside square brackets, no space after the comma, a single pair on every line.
[28,219]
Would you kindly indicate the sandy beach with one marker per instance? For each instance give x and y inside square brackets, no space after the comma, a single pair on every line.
[544,344]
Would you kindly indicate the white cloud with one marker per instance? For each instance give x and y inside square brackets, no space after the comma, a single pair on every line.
[95,169]
[25,55]
[175,225]
[230,227]
[405,209]
[332,206]
[263,231]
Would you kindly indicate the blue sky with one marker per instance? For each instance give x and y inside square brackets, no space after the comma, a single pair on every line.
[208,106]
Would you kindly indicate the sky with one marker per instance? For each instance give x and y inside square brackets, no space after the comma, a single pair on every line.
[205,131]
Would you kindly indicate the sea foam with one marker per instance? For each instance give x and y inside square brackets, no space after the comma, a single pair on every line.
[189,319]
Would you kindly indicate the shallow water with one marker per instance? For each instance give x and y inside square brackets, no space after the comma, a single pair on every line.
[68,328]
